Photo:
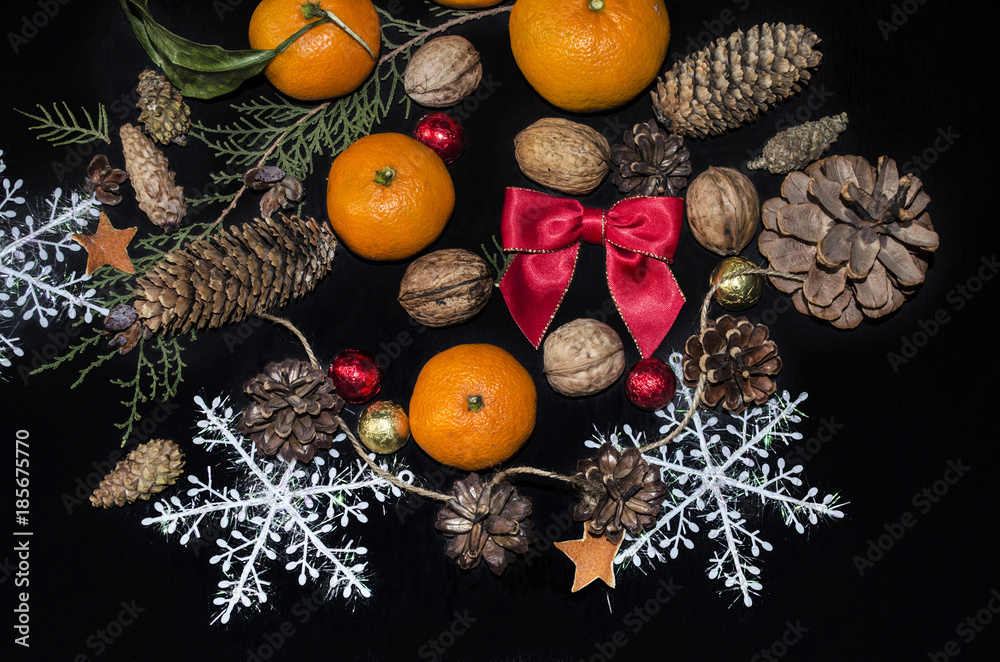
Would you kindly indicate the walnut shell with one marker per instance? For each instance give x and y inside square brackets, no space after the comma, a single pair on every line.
[446,287]
[723,210]
[583,357]
[563,155]
[443,71]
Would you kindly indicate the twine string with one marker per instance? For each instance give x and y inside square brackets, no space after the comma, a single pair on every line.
[506,474]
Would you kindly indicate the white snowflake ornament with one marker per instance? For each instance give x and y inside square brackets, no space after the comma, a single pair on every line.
[278,513]
[716,465]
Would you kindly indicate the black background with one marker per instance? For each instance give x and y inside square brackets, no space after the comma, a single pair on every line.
[906,73]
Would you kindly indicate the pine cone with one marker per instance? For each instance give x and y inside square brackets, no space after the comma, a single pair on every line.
[738,361]
[619,492]
[650,162]
[104,181]
[226,278]
[485,522]
[859,235]
[797,147]
[294,412]
[281,191]
[729,83]
[164,114]
[150,468]
[152,180]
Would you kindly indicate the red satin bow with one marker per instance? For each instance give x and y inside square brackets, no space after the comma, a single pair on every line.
[639,235]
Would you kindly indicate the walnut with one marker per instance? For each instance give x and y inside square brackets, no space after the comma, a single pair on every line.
[442,72]
[446,287]
[583,357]
[563,155]
[723,210]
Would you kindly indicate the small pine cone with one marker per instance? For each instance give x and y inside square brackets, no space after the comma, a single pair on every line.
[730,82]
[164,114]
[798,146]
[650,162]
[860,237]
[738,361]
[485,522]
[152,179]
[618,492]
[104,181]
[294,412]
[232,275]
[150,468]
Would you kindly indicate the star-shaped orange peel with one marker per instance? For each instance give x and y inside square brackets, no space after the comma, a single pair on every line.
[107,246]
[594,557]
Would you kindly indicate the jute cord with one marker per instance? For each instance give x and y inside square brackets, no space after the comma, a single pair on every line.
[506,474]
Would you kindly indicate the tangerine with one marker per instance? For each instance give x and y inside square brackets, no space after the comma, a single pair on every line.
[389,196]
[473,406]
[326,61]
[589,55]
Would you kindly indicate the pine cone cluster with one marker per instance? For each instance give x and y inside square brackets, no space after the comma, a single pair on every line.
[149,469]
[153,180]
[650,162]
[281,191]
[618,492]
[738,361]
[226,278]
[485,522]
[163,111]
[860,235]
[798,146]
[730,82]
[294,411]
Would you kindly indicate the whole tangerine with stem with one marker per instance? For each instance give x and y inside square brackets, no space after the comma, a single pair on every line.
[388,196]
[473,406]
[326,62]
[589,55]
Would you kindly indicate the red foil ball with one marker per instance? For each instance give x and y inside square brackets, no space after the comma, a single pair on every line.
[650,384]
[442,133]
[355,375]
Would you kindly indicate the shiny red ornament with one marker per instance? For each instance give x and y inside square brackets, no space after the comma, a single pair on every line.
[355,375]
[650,384]
[442,133]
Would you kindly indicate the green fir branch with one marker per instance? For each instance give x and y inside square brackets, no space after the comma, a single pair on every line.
[500,260]
[154,379]
[292,135]
[61,126]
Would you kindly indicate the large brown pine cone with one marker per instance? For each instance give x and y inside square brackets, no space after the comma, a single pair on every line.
[486,522]
[860,235]
[294,412]
[738,361]
[728,83]
[619,492]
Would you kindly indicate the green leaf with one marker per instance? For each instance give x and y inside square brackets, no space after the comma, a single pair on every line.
[199,71]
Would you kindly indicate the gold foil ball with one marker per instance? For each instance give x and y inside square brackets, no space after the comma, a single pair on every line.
[383,427]
[736,292]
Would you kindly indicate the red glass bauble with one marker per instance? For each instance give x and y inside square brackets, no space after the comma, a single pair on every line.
[650,384]
[442,133]
[355,375]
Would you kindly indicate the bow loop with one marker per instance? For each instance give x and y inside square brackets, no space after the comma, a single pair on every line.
[640,238]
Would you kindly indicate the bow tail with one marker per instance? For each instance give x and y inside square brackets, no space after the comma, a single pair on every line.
[646,294]
[533,287]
